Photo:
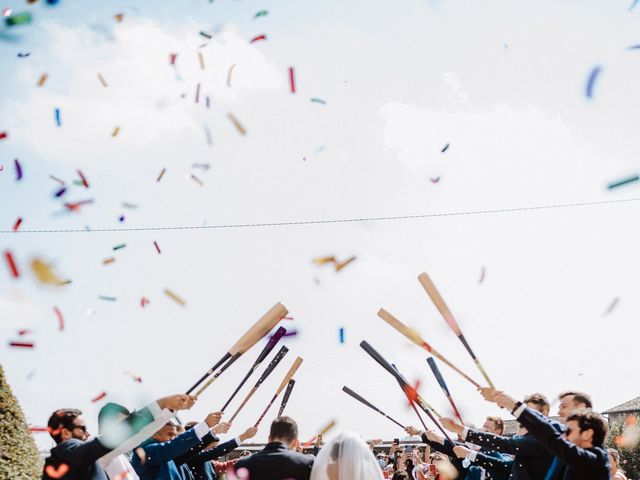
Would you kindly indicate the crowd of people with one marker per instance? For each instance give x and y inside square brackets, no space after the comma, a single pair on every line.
[149,445]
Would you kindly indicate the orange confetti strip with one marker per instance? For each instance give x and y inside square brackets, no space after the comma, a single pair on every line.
[108,261]
[102,80]
[60,318]
[42,79]
[98,397]
[119,17]
[115,132]
[237,124]
[161,174]
[174,297]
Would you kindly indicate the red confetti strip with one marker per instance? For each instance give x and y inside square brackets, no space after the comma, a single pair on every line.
[83,178]
[21,344]
[172,58]
[292,80]
[258,38]
[144,301]
[39,429]
[59,472]
[3,135]
[16,225]
[157,247]
[12,264]
[18,169]
[60,318]
[24,331]
[100,396]
[75,206]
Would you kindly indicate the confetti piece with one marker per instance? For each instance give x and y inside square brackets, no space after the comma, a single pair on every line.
[206,35]
[121,218]
[229,74]
[135,378]
[12,264]
[42,80]
[75,206]
[115,132]
[144,301]
[3,135]
[197,180]
[60,318]
[61,182]
[132,206]
[38,429]
[434,179]
[258,38]
[16,225]
[341,334]
[99,397]
[237,124]
[161,174]
[24,331]
[201,60]
[595,73]
[83,179]
[6,12]
[58,120]
[633,47]
[123,475]
[624,181]
[445,148]
[198,93]
[120,246]
[483,272]
[108,261]
[102,80]
[119,17]
[60,192]
[24,55]
[292,80]
[172,58]
[59,472]
[18,19]
[174,297]
[44,272]
[105,298]
[208,102]
[341,265]
[22,344]
[611,307]
[16,163]
[331,259]
[318,100]
[155,244]
[261,13]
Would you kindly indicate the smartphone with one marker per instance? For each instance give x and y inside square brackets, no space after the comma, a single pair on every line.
[408,448]
[396,441]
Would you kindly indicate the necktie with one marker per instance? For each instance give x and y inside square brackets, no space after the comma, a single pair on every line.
[552,469]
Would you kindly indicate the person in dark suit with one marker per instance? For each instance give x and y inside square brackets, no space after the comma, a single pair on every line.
[198,459]
[531,459]
[580,447]
[75,457]
[277,461]
[154,458]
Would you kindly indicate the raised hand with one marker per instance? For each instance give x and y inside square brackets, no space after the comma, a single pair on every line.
[505,401]
[222,427]
[179,401]
[452,426]
[434,437]
[213,419]
[413,431]
[460,451]
[488,393]
[248,433]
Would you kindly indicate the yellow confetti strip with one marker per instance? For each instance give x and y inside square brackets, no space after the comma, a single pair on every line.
[174,297]
[115,131]
[237,124]
[43,79]
[102,80]
[201,60]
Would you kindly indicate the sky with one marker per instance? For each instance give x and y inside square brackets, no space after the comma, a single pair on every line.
[502,83]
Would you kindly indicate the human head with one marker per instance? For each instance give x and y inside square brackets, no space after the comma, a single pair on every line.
[614,460]
[67,423]
[538,402]
[284,430]
[493,425]
[571,401]
[166,433]
[111,414]
[586,428]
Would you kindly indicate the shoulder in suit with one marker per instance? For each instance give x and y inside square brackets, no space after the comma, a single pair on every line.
[276,462]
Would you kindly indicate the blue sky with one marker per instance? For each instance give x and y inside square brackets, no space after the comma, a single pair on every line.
[503,83]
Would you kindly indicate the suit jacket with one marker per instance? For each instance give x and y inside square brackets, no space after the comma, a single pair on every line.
[276,462]
[159,457]
[198,460]
[531,459]
[496,465]
[81,457]
[581,463]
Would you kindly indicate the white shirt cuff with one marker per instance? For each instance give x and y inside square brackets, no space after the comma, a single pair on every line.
[201,430]
[238,441]
[472,456]
[155,409]
[465,431]
[518,411]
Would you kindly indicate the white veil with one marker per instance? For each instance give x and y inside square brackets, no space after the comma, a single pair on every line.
[346,457]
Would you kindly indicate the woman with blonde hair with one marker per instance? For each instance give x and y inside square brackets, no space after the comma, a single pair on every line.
[614,459]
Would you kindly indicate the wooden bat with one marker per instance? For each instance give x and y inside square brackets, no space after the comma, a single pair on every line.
[217,374]
[414,336]
[287,394]
[436,373]
[263,354]
[289,376]
[325,429]
[442,307]
[249,339]
[274,363]
[353,394]
[408,390]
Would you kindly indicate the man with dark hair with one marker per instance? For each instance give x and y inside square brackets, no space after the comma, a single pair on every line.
[580,448]
[571,401]
[276,461]
[75,457]
[531,460]
[493,425]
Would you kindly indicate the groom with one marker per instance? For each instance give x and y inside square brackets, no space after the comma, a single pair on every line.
[277,460]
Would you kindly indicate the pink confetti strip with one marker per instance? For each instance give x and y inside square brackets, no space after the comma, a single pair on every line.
[22,344]
[12,264]
[172,58]
[292,80]
[24,331]
[60,318]
[83,178]
[16,225]
[99,397]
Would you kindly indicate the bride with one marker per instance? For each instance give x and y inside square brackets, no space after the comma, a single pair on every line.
[346,457]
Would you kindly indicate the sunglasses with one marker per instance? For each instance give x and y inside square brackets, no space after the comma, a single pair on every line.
[81,427]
